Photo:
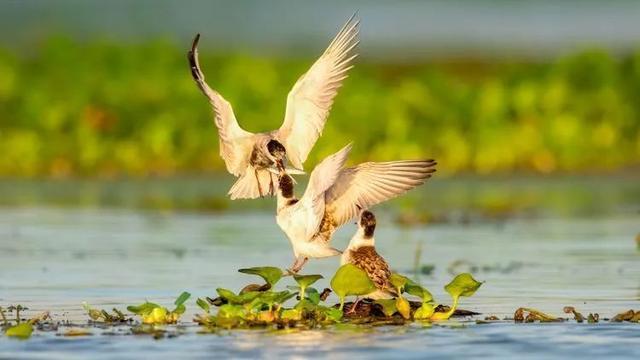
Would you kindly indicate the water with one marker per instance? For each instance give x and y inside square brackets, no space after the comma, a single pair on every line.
[54,258]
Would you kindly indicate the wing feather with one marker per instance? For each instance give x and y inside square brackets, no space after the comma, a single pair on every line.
[371,183]
[322,178]
[311,98]
[235,143]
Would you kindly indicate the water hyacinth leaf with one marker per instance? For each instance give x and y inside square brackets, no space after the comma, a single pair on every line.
[306,280]
[313,295]
[182,298]
[232,298]
[404,308]
[203,304]
[388,306]
[291,314]
[180,309]
[398,281]
[21,331]
[415,289]
[231,311]
[143,309]
[270,274]
[157,316]
[424,312]
[351,280]
[463,285]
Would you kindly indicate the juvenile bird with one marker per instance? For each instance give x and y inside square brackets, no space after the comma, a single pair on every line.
[334,196]
[362,253]
[252,157]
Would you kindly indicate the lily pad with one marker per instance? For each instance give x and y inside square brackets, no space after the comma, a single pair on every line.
[270,274]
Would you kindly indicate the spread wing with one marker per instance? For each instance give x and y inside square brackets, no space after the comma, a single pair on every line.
[371,183]
[235,143]
[310,99]
[322,178]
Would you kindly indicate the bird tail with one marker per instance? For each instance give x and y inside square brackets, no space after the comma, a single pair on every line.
[254,183]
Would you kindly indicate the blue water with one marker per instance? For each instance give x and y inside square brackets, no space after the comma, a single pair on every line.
[53,258]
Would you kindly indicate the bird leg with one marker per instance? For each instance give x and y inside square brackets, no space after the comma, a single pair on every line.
[258,181]
[354,306]
[271,188]
[297,265]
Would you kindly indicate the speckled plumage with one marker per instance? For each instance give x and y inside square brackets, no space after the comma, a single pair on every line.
[368,259]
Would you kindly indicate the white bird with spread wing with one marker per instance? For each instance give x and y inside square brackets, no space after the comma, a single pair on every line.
[252,157]
[335,195]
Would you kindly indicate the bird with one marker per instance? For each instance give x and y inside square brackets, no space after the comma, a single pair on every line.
[362,253]
[251,156]
[334,196]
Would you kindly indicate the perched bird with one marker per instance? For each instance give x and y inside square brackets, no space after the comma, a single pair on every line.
[362,253]
[335,195]
[251,156]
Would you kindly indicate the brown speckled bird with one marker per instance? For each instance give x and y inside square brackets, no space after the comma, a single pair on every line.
[362,253]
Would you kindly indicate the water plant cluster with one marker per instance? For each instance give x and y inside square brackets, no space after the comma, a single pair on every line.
[107,108]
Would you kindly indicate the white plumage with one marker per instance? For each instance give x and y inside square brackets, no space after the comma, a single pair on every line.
[246,155]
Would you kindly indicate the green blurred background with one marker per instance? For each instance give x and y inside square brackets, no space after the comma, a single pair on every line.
[102,89]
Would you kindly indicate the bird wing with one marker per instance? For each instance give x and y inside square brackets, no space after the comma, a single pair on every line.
[235,143]
[371,183]
[310,99]
[321,179]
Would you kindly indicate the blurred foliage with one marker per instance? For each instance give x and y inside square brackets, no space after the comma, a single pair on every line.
[106,109]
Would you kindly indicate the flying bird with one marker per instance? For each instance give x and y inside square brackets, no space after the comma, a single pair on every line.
[252,156]
[335,195]
[362,253]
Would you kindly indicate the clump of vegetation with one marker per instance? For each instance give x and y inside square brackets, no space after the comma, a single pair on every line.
[18,328]
[102,315]
[262,305]
[155,314]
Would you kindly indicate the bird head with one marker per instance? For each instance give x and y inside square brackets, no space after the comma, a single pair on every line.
[367,223]
[277,152]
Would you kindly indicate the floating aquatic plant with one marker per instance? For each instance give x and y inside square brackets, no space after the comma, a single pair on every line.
[153,313]
[270,274]
[462,285]
[104,316]
[350,280]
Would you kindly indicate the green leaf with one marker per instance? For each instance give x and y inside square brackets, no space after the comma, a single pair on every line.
[313,295]
[404,308]
[424,312]
[143,309]
[306,280]
[291,314]
[21,331]
[415,289]
[182,298]
[351,280]
[203,304]
[388,306]
[398,281]
[270,274]
[180,309]
[231,311]
[462,285]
